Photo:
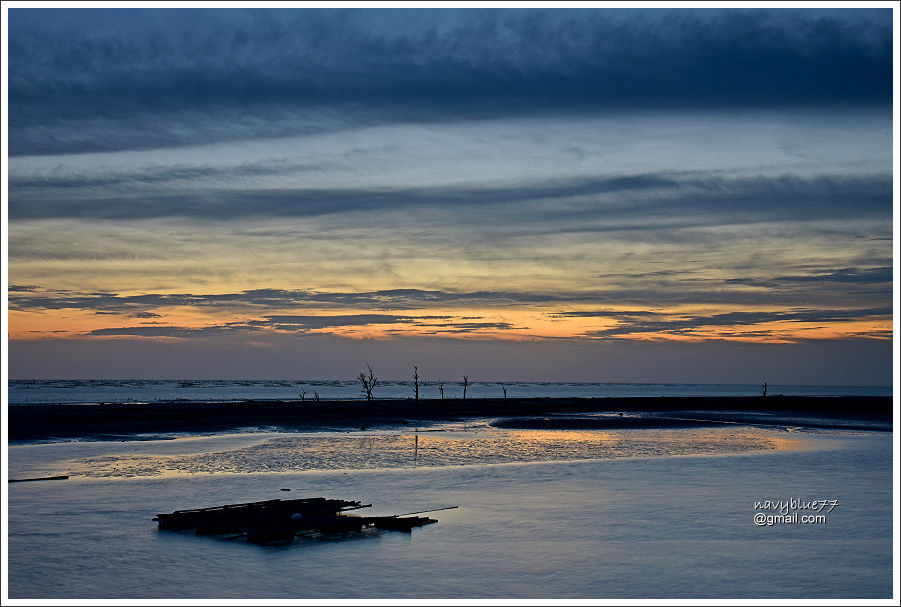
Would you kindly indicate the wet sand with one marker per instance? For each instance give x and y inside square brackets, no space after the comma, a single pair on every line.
[118,421]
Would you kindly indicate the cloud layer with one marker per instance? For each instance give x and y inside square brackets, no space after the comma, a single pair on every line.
[218,75]
[523,175]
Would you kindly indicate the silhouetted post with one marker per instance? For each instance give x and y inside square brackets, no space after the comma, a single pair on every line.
[465,381]
[369,382]
[416,381]
[505,392]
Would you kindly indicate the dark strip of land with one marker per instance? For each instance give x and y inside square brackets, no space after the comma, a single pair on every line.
[116,421]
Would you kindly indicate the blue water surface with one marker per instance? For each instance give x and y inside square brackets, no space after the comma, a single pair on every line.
[23,392]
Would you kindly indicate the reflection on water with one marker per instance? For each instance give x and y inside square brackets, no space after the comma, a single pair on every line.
[451,447]
[640,528]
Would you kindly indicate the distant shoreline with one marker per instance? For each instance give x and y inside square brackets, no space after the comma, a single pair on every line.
[122,421]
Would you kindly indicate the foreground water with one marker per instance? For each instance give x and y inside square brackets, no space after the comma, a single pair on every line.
[635,524]
[22,392]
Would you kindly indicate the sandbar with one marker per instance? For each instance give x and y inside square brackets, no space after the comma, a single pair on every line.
[113,421]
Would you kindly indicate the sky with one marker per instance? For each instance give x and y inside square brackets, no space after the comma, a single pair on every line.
[533,194]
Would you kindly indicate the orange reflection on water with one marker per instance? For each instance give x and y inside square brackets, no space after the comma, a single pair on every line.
[287,453]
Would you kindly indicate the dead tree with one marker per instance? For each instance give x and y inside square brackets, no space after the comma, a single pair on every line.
[465,382]
[369,382]
[416,382]
[763,389]
[441,388]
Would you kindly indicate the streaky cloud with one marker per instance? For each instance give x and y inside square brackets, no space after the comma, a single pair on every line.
[433,325]
[274,298]
[848,275]
[168,331]
[639,196]
[639,323]
[421,67]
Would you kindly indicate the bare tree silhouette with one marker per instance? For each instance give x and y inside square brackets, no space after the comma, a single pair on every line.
[465,383]
[369,382]
[416,382]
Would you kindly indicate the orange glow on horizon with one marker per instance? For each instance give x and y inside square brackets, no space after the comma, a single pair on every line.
[509,324]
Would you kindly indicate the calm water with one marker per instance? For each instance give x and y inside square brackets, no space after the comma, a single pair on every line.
[634,527]
[141,391]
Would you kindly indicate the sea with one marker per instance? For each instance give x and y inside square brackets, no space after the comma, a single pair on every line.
[86,391]
[738,512]
[655,526]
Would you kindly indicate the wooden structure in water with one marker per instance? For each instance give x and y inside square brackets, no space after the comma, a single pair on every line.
[274,521]
[61,477]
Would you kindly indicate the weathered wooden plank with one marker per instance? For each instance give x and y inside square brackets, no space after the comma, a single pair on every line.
[43,478]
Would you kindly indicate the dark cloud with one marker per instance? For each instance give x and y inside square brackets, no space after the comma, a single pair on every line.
[471,327]
[820,284]
[145,79]
[271,298]
[77,197]
[608,314]
[304,324]
[645,199]
[437,324]
[847,275]
[166,331]
[646,322]
[154,175]
[22,288]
